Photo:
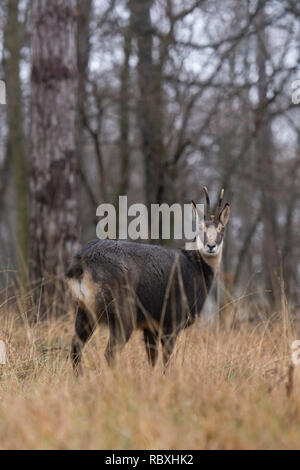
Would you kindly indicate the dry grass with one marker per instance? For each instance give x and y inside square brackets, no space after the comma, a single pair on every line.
[223,390]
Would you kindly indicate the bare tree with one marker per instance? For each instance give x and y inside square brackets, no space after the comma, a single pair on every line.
[150,103]
[16,139]
[265,151]
[124,113]
[54,224]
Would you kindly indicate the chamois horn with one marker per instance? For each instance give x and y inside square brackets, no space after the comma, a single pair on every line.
[218,209]
[207,211]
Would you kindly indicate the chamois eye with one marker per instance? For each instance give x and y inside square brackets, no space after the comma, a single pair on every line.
[219,228]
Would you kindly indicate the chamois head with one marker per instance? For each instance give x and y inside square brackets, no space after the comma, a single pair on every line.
[210,238]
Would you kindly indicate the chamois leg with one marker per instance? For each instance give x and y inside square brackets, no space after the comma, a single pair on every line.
[84,327]
[168,343]
[151,343]
[118,337]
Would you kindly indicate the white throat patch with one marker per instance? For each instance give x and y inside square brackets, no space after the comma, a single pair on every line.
[213,260]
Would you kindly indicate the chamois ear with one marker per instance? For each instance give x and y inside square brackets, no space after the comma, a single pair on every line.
[224,216]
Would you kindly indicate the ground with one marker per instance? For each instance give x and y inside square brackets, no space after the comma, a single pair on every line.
[224,389]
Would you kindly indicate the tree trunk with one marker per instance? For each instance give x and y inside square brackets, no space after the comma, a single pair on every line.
[150,101]
[54,227]
[84,8]
[124,114]
[265,150]
[16,140]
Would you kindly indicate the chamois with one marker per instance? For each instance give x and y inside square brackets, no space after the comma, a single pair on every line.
[128,285]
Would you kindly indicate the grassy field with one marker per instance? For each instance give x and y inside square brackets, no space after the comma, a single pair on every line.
[224,389]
